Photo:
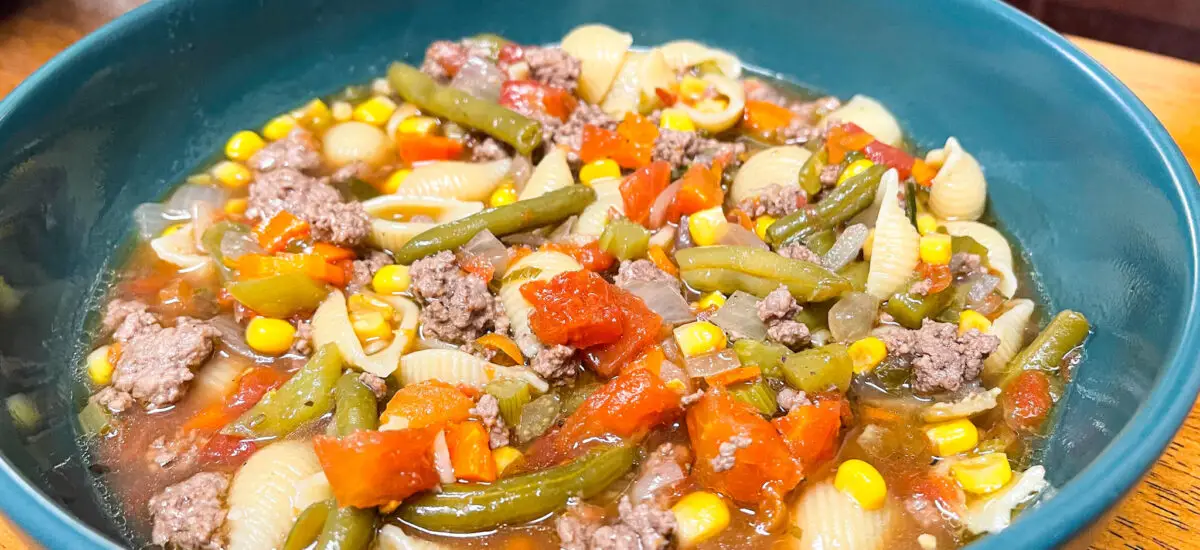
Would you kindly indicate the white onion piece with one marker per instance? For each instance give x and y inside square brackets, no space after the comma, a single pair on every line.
[562,233]
[733,234]
[520,171]
[663,298]
[203,216]
[663,477]
[669,370]
[658,210]
[846,248]
[982,286]
[485,245]
[852,317]
[179,206]
[441,459]
[234,338]
[709,364]
[479,78]
[739,317]
[235,244]
[663,238]
[151,220]
[683,235]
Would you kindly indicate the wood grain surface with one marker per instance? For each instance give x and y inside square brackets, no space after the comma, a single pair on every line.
[1162,512]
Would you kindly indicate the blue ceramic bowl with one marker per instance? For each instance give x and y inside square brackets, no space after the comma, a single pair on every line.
[1081,174]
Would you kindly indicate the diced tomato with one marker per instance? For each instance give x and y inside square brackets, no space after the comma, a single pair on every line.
[251,387]
[588,255]
[631,145]
[882,153]
[428,403]
[226,450]
[938,275]
[811,431]
[470,453]
[418,148]
[479,266]
[577,308]
[843,138]
[650,359]
[258,266]
[177,298]
[371,468]
[939,495]
[639,189]
[517,252]
[716,419]
[1026,400]
[764,119]
[275,234]
[700,189]
[510,53]
[640,328]
[530,97]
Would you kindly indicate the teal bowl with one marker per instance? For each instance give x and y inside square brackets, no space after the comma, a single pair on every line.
[1082,176]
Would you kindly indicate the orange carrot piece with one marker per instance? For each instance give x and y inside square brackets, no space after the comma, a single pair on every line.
[733,376]
[503,343]
[662,261]
[275,234]
[470,453]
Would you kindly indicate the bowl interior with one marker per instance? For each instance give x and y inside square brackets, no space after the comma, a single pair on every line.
[1101,210]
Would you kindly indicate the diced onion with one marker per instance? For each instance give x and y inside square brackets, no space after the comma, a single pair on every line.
[709,364]
[739,317]
[982,286]
[645,487]
[662,203]
[179,207]
[663,298]
[485,245]
[151,220]
[846,248]
[441,459]
[235,244]
[852,317]
[735,235]
[479,78]
[520,171]
[663,238]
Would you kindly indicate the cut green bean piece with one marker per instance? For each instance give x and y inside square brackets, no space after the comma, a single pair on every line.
[911,309]
[356,408]
[819,369]
[810,173]
[856,272]
[968,245]
[348,528]
[808,282]
[307,396]
[821,241]
[1065,332]
[308,526]
[280,296]
[851,197]
[625,239]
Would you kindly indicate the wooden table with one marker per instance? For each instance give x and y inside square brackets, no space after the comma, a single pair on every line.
[1161,511]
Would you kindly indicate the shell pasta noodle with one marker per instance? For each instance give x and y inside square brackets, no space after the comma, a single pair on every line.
[586,295]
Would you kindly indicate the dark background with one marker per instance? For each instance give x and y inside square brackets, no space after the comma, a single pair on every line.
[1170,27]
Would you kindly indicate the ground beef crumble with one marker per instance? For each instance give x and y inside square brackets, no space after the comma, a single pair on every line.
[189,514]
[682,149]
[641,526]
[311,199]
[377,385]
[777,309]
[800,252]
[726,454]
[458,305]
[363,270]
[488,410]
[774,200]
[940,358]
[553,67]
[298,151]
[789,399]
[557,364]
[179,452]
[569,134]
[641,271]
[965,264]
[302,344]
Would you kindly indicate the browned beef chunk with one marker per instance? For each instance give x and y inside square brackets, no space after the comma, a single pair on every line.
[189,514]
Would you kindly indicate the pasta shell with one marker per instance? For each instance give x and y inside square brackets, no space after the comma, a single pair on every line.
[600,50]
[331,325]
[261,506]
[389,234]
[179,248]
[966,407]
[392,537]
[551,174]
[827,518]
[1000,257]
[465,181]
[959,190]
[871,116]
[311,490]
[594,217]
[625,94]
[994,513]
[681,55]
[777,165]
[353,141]
[732,113]
[1009,327]
[456,367]
[655,73]
[539,266]
[897,244]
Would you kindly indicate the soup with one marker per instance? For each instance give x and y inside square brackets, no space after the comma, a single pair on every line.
[586,296]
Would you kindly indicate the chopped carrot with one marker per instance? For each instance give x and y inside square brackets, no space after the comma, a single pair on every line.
[741,218]
[114,353]
[258,266]
[662,261]
[733,376]
[811,431]
[764,118]
[418,148]
[372,468]
[252,385]
[923,172]
[275,234]
[332,253]
[844,138]
[650,359]
[428,403]
[470,453]
[700,189]
[503,343]
[640,328]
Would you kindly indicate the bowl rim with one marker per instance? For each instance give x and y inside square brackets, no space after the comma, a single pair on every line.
[1094,490]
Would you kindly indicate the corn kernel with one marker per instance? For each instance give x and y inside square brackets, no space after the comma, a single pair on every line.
[392,183]
[869,244]
[99,367]
[243,145]
[232,174]
[598,170]
[712,105]
[982,474]
[762,224]
[279,127]
[376,110]
[713,299]
[971,319]
[867,353]
[678,386]
[926,223]
[505,457]
[692,88]
[341,111]
[315,116]
[676,119]
[855,168]
[370,325]
[170,230]
[503,195]
[861,482]
[951,438]
[699,516]
[699,337]
[270,336]
[391,279]
[705,225]
[236,207]
[362,303]
[417,125]
[936,249]
[201,179]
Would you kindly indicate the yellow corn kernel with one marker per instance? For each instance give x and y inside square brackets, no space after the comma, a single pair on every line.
[362,303]
[236,207]
[936,249]
[869,244]
[861,482]
[505,194]
[391,279]
[342,111]
[315,116]
[279,127]
[270,336]
[201,179]
[99,368]
[243,145]
[677,386]
[712,105]
[705,225]
[762,224]
[699,516]
[392,183]
[951,438]
[971,319]
[676,119]
[692,88]
[867,353]
[699,338]
[855,168]
[172,229]
[417,125]
[598,170]
[375,111]
[926,223]
[505,457]
[982,474]
[713,299]
[232,174]
[370,325]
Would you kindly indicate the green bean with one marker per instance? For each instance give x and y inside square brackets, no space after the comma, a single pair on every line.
[512,394]
[308,526]
[470,507]
[307,396]
[767,357]
[357,190]
[537,417]
[968,245]
[519,216]
[819,369]
[280,296]
[851,197]
[486,116]
[810,173]
[1065,332]
[625,239]
[821,241]
[910,201]
[910,309]
[727,281]
[348,528]
[856,272]
[757,394]
[356,408]
[808,282]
